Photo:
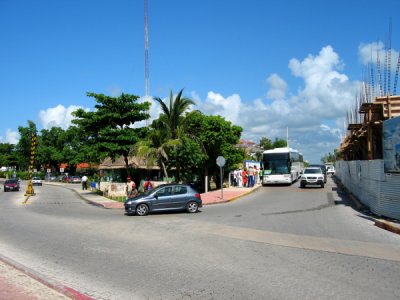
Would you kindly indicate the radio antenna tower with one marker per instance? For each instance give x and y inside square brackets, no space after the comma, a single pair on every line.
[146,52]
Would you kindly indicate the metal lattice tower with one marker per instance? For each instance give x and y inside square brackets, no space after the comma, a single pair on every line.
[146,52]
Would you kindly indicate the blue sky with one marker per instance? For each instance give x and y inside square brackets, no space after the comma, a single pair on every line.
[263,65]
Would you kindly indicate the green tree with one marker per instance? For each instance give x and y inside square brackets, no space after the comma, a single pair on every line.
[279,143]
[173,115]
[50,147]
[7,155]
[166,133]
[109,130]
[266,143]
[216,137]
[153,149]
[23,148]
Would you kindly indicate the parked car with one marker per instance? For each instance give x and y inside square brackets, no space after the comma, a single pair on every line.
[165,197]
[36,181]
[11,185]
[75,179]
[323,168]
[312,176]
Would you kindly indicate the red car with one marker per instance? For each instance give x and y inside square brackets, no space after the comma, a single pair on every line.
[11,185]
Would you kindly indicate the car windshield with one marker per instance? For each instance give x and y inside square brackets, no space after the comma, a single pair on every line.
[11,181]
[312,171]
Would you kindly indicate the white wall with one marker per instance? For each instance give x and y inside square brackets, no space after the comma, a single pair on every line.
[366,180]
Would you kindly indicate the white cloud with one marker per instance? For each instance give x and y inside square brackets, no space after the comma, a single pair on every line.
[368,54]
[326,95]
[12,137]
[58,116]
[278,87]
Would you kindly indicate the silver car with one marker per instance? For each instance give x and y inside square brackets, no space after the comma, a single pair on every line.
[165,197]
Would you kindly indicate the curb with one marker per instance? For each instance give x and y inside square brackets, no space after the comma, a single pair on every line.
[233,198]
[80,195]
[388,226]
[50,283]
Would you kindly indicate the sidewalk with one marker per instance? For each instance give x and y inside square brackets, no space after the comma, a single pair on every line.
[212,197]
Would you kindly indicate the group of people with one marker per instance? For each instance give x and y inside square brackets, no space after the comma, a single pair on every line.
[246,177]
[131,188]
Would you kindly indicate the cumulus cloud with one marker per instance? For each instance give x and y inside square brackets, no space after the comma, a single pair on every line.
[58,116]
[278,86]
[368,54]
[11,137]
[324,98]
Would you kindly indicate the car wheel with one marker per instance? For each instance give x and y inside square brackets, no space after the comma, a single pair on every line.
[302,186]
[322,185]
[142,210]
[192,207]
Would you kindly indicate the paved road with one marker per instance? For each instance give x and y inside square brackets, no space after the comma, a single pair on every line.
[276,243]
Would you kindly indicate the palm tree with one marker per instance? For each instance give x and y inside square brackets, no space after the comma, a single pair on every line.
[166,132]
[173,115]
[153,149]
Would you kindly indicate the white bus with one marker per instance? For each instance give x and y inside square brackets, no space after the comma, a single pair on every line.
[281,165]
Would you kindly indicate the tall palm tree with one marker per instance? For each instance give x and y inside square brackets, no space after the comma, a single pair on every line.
[173,114]
[153,149]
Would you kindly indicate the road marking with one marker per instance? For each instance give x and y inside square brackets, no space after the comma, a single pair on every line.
[348,247]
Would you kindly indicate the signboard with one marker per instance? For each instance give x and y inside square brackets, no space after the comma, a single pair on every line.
[391,145]
[220,161]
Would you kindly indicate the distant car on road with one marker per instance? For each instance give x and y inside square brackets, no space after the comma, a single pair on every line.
[323,168]
[36,181]
[11,185]
[330,170]
[75,179]
[165,197]
[312,176]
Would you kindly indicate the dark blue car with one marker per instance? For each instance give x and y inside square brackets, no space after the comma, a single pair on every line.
[166,197]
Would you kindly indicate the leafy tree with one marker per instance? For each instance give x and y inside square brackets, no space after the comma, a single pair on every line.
[7,155]
[154,149]
[166,133]
[279,143]
[216,137]
[50,147]
[266,143]
[109,129]
[173,114]
[23,148]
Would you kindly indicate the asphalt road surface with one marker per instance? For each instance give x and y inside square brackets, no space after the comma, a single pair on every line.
[277,243]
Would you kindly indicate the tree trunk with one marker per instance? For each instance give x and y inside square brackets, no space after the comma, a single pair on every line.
[165,170]
[126,165]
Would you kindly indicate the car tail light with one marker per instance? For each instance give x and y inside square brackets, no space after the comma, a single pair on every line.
[197,196]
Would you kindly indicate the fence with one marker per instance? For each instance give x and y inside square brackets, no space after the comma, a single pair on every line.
[367,180]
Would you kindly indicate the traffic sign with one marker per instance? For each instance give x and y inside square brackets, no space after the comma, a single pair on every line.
[221,161]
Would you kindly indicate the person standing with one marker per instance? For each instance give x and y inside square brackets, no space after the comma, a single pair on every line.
[250,176]
[244,177]
[84,182]
[131,190]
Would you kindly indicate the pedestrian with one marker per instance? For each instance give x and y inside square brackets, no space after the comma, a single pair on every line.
[240,178]
[131,190]
[147,186]
[244,177]
[92,186]
[250,176]
[84,182]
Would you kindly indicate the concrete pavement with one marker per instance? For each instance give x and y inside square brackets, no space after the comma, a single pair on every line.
[19,283]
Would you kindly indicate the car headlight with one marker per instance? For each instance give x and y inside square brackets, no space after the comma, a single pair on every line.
[129,202]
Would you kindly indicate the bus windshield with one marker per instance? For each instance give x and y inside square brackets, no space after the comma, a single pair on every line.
[276,166]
